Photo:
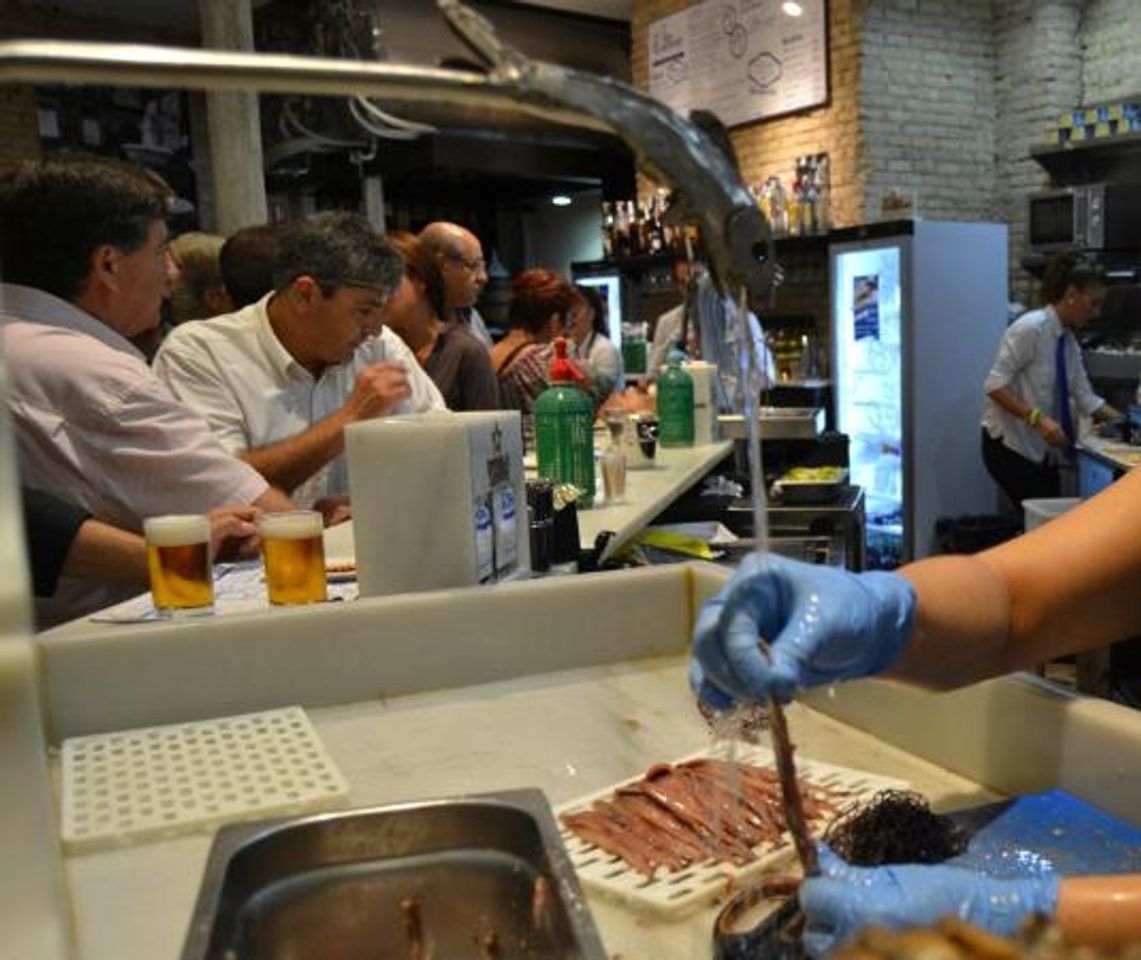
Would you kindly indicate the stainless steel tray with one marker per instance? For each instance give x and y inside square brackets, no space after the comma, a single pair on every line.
[777,423]
[489,874]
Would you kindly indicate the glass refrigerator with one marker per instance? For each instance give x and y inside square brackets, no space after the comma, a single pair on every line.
[917,311]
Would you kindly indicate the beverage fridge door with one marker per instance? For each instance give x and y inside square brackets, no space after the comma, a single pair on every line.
[868,366]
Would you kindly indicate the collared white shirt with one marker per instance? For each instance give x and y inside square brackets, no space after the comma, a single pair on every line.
[94,425]
[1026,366]
[602,361]
[717,336]
[234,371]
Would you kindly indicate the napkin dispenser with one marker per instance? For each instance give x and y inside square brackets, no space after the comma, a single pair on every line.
[438,501]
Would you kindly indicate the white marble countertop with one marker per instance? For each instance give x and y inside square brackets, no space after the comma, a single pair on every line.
[1123,454]
[649,492]
[599,725]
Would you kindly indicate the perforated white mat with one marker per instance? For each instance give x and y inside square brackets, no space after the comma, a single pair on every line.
[136,785]
[681,891]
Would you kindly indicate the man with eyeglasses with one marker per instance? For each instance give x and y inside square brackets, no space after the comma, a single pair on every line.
[465,273]
[85,267]
[280,379]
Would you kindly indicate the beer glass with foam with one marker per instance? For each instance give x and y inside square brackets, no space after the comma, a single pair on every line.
[178,562]
[293,552]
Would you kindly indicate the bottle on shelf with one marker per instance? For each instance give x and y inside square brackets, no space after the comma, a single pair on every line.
[634,350]
[607,230]
[675,403]
[564,429]
[778,204]
[824,190]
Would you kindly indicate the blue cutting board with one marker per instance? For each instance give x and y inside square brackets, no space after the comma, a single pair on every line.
[1052,831]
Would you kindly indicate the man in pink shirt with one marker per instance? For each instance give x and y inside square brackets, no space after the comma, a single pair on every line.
[84,267]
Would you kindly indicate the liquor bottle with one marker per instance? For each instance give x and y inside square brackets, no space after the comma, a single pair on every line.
[621,230]
[824,188]
[607,230]
[564,429]
[675,404]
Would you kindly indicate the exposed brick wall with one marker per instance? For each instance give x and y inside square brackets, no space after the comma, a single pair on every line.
[772,147]
[1037,77]
[945,97]
[927,105]
[1111,53]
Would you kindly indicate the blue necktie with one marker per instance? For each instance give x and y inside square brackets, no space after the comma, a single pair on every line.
[1065,421]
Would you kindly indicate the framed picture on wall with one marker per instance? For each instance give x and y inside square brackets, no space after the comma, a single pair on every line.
[746,60]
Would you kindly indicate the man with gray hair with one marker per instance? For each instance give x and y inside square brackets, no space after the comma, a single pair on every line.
[464,270]
[279,380]
[85,267]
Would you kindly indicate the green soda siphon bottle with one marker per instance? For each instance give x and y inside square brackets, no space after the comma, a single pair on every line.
[675,404]
[564,429]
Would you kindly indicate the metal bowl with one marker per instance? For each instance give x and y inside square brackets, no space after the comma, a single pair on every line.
[751,926]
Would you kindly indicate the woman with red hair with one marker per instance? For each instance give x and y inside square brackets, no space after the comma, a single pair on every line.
[540,309]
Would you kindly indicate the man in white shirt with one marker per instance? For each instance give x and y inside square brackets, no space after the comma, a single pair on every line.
[84,261]
[711,334]
[464,271]
[279,380]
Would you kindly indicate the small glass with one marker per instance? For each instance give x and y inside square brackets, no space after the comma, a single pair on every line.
[178,564]
[293,552]
[614,460]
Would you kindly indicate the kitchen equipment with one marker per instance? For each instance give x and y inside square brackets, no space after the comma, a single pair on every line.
[1090,216]
[438,501]
[810,485]
[677,894]
[153,782]
[469,877]
[777,423]
[917,311]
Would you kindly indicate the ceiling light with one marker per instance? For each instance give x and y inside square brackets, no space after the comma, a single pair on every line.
[792,8]
[561,200]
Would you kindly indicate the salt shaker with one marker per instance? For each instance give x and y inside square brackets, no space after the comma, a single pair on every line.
[614,460]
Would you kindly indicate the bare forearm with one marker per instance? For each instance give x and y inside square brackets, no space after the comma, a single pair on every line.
[291,462]
[962,623]
[102,552]
[1102,912]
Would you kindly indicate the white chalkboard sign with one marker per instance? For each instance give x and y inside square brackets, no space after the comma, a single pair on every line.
[743,59]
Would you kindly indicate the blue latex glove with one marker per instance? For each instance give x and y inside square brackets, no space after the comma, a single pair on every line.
[845,899]
[822,624]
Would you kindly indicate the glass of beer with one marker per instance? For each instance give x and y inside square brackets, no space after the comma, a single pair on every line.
[178,562]
[293,551]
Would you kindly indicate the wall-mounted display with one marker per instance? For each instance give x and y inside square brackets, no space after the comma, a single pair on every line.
[745,60]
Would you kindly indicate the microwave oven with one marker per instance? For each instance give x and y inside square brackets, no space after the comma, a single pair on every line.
[1098,216]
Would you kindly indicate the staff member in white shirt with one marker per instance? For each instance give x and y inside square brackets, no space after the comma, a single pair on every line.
[279,380]
[1037,380]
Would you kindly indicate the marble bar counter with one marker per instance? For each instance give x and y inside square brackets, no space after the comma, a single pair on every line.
[1116,453]
[649,492]
[479,689]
